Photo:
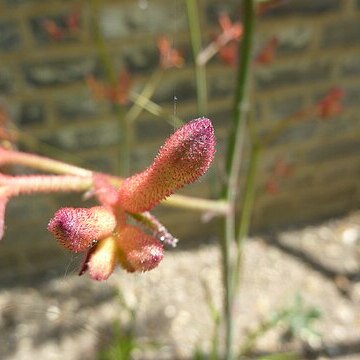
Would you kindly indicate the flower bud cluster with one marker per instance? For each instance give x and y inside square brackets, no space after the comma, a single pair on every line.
[103,232]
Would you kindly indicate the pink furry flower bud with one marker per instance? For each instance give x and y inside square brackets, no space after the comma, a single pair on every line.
[137,250]
[77,228]
[185,156]
[101,260]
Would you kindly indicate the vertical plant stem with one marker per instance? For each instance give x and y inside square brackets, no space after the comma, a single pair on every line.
[227,267]
[241,105]
[200,71]
[232,166]
[247,207]
[112,79]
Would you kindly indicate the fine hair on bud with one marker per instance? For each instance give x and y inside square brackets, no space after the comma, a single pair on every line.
[185,156]
[138,251]
[79,228]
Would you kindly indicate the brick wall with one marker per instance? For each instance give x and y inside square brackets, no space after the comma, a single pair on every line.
[42,86]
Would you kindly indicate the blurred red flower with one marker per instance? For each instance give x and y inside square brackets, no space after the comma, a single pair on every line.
[331,103]
[169,56]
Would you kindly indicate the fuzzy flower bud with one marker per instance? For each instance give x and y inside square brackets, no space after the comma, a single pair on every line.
[185,156]
[101,260]
[137,250]
[77,228]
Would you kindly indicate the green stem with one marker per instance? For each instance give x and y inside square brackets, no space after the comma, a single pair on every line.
[200,71]
[246,212]
[241,106]
[227,276]
[232,166]
[103,53]
[198,204]
[112,79]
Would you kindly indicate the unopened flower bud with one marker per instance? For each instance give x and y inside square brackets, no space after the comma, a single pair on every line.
[185,156]
[77,228]
[137,250]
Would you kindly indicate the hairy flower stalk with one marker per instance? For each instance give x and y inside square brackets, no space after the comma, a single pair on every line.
[40,163]
[11,186]
[185,156]
[29,184]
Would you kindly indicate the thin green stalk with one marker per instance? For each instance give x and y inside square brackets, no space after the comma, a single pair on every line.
[227,279]
[241,106]
[200,71]
[103,53]
[111,76]
[147,92]
[233,160]
[246,212]
[198,204]
[155,109]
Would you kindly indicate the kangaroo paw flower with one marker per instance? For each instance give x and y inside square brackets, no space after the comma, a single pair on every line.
[138,251]
[185,156]
[103,231]
[77,228]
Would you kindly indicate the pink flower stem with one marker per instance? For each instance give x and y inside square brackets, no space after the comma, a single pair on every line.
[29,184]
[41,163]
[81,180]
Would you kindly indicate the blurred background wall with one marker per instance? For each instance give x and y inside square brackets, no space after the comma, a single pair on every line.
[43,89]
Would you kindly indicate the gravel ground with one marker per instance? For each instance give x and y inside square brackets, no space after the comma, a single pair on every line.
[70,317]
